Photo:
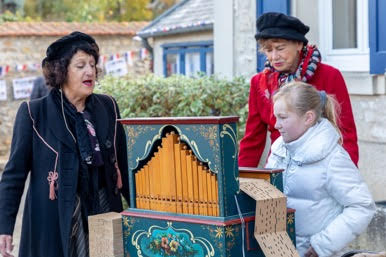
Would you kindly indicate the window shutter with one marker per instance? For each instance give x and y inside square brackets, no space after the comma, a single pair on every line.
[263,6]
[377,36]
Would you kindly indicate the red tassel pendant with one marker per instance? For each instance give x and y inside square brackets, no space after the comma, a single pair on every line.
[119,177]
[52,177]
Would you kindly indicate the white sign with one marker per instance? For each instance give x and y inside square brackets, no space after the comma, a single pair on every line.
[3,90]
[22,88]
[116,67]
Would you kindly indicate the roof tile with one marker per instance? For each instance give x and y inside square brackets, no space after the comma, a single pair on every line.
[64,28]
[188,15]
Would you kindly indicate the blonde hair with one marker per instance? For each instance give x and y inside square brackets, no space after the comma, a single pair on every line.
[301,97]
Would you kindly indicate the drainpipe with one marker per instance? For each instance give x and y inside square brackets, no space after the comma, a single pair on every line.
[145,43]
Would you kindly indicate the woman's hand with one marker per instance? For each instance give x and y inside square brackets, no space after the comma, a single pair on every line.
[6,246]
[311,252]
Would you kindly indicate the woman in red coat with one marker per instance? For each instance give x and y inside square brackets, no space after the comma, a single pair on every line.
[289,57]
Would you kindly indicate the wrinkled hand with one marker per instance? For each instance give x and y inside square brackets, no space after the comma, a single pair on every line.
[6,246]
[311,252]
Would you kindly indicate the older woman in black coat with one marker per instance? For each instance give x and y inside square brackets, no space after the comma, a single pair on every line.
[75,152]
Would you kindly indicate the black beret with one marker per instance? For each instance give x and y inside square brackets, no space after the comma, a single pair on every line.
[58,48]
[279,25]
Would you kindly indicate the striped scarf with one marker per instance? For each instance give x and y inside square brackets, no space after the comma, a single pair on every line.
[308,64]
[79,240]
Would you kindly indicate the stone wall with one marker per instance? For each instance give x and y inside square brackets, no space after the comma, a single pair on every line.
[234,43]
[245,60]
[373,238]
[369,113]
[31,50]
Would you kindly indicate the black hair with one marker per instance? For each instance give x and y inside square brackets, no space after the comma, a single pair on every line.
[60,53]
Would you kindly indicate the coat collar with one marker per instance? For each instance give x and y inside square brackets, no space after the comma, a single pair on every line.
[58,126]
[100,117]
[312,146]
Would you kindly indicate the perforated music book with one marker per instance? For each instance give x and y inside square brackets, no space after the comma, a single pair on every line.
[270,218]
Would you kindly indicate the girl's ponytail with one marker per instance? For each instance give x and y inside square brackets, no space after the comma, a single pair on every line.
[331,111]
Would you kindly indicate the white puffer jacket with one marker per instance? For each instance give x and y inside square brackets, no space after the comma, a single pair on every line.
[333,204]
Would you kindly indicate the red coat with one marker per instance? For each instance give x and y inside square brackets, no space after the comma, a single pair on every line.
[261,119]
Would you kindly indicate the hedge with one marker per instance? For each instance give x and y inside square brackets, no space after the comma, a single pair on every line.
[178,96]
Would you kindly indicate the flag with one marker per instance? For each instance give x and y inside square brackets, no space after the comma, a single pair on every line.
[129,55]
[143,53]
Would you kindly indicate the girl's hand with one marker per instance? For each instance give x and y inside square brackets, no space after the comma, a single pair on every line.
[311,252]
[6,246]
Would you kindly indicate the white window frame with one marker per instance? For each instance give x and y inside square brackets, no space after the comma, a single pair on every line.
[350,59]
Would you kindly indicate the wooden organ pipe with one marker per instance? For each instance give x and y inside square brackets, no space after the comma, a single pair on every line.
[173,180]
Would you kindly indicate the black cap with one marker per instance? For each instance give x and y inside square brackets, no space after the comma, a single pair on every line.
[279,25]
[64,44]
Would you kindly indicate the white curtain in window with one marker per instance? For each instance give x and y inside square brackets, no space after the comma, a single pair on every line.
[344,24]
[209,63]
[192,64]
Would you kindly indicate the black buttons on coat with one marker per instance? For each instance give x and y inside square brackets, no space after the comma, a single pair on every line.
[112,160]
[108,144]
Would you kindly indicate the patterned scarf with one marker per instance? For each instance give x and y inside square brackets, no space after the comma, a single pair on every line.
[81,126]
[308,64]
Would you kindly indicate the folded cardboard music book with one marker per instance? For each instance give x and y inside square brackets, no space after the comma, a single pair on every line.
[270,218]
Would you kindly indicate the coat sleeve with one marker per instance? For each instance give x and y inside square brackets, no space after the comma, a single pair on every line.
[16,170]
[122,157]
[253,143]
[346,118]
[346,186]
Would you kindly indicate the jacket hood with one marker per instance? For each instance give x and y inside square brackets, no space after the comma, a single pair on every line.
[314,145]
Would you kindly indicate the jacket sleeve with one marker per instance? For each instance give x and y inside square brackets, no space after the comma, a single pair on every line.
[253,143]
[122,157]
[346,118]
[16,170]
[346,186]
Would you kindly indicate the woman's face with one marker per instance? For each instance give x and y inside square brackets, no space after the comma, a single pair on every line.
[283,55]
[81,75]
[290,125]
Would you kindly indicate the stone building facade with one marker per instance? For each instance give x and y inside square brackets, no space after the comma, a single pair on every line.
[23,46]
[367,90]
[236,54]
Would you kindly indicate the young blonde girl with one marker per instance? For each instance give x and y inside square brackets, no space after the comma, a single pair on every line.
[333,204]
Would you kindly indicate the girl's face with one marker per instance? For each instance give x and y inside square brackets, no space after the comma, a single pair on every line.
[283,55]
[81,75]
[290,125]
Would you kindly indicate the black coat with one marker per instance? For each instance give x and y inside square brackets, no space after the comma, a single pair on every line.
[39,88]
[47,223]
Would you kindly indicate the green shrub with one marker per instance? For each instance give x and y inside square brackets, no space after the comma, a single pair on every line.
[177,96]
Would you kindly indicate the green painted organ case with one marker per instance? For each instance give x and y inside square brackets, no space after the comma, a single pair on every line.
[185,198]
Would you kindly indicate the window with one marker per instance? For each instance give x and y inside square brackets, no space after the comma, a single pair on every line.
[188,58]
[172,64]
[344,34]
[209,63]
